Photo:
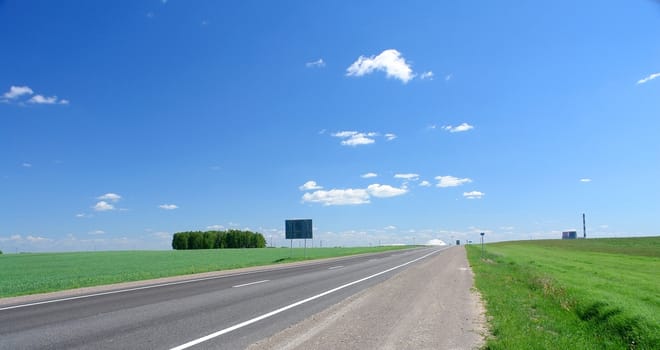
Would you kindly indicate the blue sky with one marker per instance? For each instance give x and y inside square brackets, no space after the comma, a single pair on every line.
[123,122]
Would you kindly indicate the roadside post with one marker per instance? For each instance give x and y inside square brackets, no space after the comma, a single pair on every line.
[482,244]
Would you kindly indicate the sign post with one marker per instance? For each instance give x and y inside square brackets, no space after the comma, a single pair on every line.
[482,245]
[298,229]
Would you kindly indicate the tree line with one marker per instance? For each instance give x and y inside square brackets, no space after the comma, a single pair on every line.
[217,240]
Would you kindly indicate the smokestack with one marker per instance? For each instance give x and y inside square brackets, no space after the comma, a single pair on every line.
[584,226]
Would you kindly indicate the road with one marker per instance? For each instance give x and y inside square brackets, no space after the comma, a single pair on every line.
[227,312]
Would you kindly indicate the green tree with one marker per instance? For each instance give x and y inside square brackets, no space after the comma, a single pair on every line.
[180,240]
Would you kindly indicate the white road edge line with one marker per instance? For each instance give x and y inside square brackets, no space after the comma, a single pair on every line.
[282,309]
[249,284]
[335,267]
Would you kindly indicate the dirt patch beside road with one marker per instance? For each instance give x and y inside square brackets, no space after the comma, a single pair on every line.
[430,305]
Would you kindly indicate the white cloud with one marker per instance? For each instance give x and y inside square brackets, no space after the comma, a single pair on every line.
[310,186]
[103,206]
[113,197]
[390,136]
[96,232]
[648,78]
[162,235]
[315,64]
[215,227]
[451,181]
[459,128]
[585,180]
[448,77]
[436,242]
[390,61]
[37,239]
[42,100]
[354,138]
[385,191]
[426,76]
[391,227]
[338,197]
[17,91]
[473,195]
[425,184]
[64,102]
[409,177]
[368,175]
[168,206]
[26,165]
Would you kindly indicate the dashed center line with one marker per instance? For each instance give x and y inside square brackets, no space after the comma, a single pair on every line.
[249,284]
[335,267]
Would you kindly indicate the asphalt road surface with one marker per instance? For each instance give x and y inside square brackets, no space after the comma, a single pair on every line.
[231,311]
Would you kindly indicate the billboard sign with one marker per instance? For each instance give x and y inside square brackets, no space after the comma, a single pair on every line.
[298,229]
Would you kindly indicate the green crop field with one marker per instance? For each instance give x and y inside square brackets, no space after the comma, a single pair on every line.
[22,274]
[571,294]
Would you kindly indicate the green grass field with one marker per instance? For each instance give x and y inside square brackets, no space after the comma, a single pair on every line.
[22,274]
[571,294]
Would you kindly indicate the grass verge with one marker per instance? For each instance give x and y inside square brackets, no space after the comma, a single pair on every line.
[578,294]
[23,274]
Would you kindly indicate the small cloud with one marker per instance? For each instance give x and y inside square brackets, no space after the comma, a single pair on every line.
[436,242]
[409,177]
[426,76]
[17,91]
[162,235]
[64,102]
[103,206]
[315,64]
[113,197]
[385,191]
[150,14]
[42,100]
[585,180]
[425,184]
[204,23]
[448,77]
[26,165]
[354,138]
[168,206]
[338,197]
[96,232]
[390,136]
[461,128]
[37,239]
[368,175]
[310,186]
[473,195]
[391,227]
[215,227]
[648,78]
[83,215]
[451,181]
[390,61]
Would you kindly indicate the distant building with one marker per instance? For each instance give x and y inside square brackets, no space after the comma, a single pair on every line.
[569,235]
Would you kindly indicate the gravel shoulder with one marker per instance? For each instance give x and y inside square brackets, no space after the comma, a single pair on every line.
[430,305]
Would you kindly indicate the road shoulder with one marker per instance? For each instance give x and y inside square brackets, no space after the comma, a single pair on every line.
[430,305]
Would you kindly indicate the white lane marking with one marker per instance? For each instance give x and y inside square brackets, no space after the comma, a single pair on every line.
[249,284]
[156,286]
[282,309]
[335,267]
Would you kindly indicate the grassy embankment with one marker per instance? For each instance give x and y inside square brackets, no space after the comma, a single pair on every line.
[577,294]
[22,274]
